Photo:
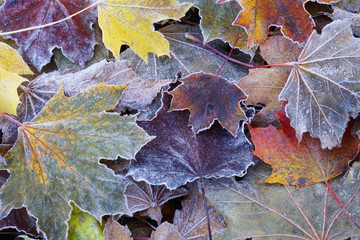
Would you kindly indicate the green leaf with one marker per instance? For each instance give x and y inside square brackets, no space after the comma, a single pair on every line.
[56,159]
[83,226]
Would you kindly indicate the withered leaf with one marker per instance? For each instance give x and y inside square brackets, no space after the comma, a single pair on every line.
[75,36]
[209,97]
[177,156]
[143,196]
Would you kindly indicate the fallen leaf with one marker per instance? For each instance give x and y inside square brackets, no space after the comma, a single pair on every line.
[9,130]
[216,22]
[84,226]
[291,16]
[11,61]
[253,209]
[304,163]
[190,222]
[131,22]
[322,88]
[9,83]
[21,221]
[55,159]
[177,155]
[114,231]
[200,59]
[341,14]
[75,36]
[263,85]
[11,64]
[166,231]
[138,95]
[209,97]
[142,196]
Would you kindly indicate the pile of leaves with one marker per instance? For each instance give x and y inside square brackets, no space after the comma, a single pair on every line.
[133,119]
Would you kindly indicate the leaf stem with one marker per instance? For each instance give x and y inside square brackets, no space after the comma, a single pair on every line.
[191,37]
[206,206]
[49,24]
[342,207]
[11,119]
[227,58]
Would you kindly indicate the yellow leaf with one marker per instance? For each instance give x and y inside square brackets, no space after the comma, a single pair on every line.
[130,22]
[11,61]
[9,98]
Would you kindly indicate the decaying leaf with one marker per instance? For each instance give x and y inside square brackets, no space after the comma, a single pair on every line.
[253,209]
[143,196]
[84,226]
[21,221]
[138,95]
[130,22]
[323,86]
[200,59]
[55,159]
[304,163]
[114,231]
[75,36]
[190,222]
[177,155]
[263,85]
[291,16]
[216,22]
[209,97]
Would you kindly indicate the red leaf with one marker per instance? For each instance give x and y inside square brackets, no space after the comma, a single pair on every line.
[75,36]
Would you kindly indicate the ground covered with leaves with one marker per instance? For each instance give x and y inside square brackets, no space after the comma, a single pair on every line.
[187,119]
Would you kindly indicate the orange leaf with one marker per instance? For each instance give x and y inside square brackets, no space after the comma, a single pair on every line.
[304,163]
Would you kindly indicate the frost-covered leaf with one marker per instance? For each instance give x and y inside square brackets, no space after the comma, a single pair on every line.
[259,210]
[209,97]
[55,159]
[138,95]
[323,86]
[263,85]
[177,156]
[200,59]
[130,22]
[114,231]
[75,36]
[291,16]
[216,22]
[304,163]
[190,222]
[143,196]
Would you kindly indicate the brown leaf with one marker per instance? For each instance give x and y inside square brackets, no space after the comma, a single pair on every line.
[209,97]
[114,231]
[143,196]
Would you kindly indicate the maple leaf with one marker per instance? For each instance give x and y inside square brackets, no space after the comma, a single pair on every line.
[263,85]
[280,212]
[75,36]
[257,16]
[303,163]
[143,196]
[216,22]
[55,159]
[114,231]
[209,97]
[323,87]
[11,65]
[200,59]
[138,95]
[190,222]
[84,226]
[131,22]
[177,156]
